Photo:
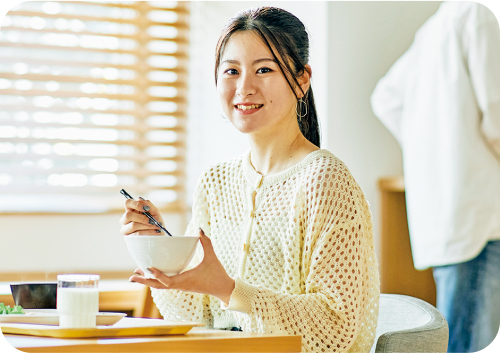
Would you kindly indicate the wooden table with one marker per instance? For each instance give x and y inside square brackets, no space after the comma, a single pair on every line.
[196,340]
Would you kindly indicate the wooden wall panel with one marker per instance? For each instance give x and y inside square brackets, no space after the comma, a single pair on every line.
[397,273]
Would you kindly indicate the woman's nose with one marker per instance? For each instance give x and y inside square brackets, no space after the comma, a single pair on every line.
[246,86]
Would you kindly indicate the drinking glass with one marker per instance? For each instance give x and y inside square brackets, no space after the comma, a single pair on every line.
[77,300]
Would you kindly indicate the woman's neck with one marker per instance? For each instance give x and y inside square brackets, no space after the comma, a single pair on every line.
[273,155]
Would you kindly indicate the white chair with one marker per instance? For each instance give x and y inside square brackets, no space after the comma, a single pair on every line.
[409,325]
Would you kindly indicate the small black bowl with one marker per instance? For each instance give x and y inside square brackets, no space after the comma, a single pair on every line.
[35,295]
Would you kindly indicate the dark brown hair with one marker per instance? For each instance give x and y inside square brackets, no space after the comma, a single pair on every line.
[284,32]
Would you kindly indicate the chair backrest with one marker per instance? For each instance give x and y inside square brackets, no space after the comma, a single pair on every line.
[408,324]
[146,307]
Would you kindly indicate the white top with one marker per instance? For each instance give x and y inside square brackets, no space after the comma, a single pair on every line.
[300,246]
[441,101]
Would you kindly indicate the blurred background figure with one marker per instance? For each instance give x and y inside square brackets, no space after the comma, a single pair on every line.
[441,101]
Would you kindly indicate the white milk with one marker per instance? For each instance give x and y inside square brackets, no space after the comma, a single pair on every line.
[77,307]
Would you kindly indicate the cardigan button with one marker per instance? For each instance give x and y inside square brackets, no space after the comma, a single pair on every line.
[258,181]
[254,194]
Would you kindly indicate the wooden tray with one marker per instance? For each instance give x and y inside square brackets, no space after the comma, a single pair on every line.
[50,317]
[124,328]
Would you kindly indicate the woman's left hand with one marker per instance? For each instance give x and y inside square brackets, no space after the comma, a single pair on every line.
[209,277]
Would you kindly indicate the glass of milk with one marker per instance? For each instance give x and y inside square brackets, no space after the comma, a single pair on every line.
[77,300]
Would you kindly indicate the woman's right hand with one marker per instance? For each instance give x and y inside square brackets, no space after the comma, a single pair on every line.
[133,222]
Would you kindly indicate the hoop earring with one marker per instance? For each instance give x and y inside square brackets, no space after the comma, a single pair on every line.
[301,103]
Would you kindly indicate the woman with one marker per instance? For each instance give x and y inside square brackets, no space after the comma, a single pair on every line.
[286,231]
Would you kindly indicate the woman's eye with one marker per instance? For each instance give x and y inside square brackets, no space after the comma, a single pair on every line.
[264,70]
[231,72]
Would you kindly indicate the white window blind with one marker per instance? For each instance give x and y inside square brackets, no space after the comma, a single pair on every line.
[92,100]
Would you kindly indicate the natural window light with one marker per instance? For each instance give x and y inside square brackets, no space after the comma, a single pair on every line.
[92,100]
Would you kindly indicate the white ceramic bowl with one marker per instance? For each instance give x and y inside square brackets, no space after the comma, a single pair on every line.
[170,255]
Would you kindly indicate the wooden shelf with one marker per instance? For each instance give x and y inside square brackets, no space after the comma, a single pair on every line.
[397,272]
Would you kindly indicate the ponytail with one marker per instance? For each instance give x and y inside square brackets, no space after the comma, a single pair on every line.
[308,119]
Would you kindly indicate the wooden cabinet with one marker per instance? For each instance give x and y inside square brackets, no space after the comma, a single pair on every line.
[397,273]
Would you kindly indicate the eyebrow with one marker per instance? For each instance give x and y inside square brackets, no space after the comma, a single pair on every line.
[255,61]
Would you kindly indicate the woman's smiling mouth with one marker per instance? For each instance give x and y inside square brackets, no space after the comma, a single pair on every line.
[248,108]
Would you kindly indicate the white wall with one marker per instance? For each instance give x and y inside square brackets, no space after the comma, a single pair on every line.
[353,44]
[67,243]
[365,38]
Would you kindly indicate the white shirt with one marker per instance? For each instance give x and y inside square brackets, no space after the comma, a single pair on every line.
[441,101]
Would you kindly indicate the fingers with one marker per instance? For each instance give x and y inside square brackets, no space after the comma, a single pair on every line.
[133,216]
[165,280]
[139,205]
[160,281]
[137,224]
[142,205]
[134,222]
[139,272]
[134,229]
[205,241]
[203,237]
[153,283]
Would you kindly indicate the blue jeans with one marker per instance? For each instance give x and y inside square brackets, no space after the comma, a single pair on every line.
[468,295]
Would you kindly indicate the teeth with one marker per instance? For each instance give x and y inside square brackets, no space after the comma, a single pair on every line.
[248,107]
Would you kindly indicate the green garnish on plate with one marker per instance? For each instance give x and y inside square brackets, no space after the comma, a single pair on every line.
[6,310]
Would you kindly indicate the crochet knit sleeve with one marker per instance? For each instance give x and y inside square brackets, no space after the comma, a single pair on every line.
[339,278]
[185,306]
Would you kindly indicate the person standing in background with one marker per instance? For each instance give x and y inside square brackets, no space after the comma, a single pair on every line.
[441,101]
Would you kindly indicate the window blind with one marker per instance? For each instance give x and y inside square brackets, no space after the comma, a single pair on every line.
[92,100]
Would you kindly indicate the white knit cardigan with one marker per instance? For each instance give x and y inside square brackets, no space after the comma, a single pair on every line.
[300,246]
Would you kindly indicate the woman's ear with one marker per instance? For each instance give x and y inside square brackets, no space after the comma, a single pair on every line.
[304,80]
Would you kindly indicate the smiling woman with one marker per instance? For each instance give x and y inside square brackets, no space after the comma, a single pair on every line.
[286,232]
[92,99]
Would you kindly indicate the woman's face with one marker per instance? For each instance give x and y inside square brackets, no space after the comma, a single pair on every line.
[254,94]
